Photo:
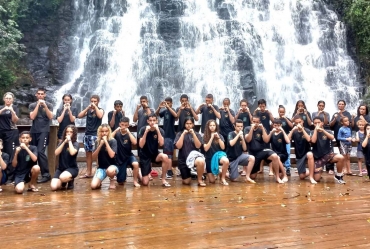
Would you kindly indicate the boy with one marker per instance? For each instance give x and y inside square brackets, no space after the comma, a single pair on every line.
[141,115]
[125,139]
[244,113]
[302,148]
[24,162]
[227,119]
[264,115]
[185,110]
[208,111]
[169,115]
[151,137]
[236,152]
[323,151]
[115,116]
[256,138]
[94,115]
[4,160]
[41,114]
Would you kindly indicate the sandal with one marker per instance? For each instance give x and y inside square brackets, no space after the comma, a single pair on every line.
[243,173]
[85,176]
[137,185]
[224,182]
[166,184]
[360,174]
[202,184]
[32,189]
[331,172]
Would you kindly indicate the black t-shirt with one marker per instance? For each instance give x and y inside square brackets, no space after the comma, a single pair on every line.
[366,151]
[323,145]
[207,114]
[225,124]
[142,118]
[6,118]
[66,160]
[357,118]
[215,147]
[117,118]
[337,124]
[152,144]
[244,116]
[104,160]
[186,112]
[187,146]
[92,122]
[233,152]
[285,125]
[66,120]
[305,119]
[123,147]
[5,157]
[168,123]
[41,123]
[256,144]
[301,146]
[25,162]
[265,120]
[278,143]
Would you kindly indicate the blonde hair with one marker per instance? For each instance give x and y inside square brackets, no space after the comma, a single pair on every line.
[109,132]
[360,121]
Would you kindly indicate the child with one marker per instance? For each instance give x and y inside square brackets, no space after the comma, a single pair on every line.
[244,113]
[67,169]
[24,162]
[94,115]
[115,116]
[345,144]
[125,139]
[4,160]
[169,116]
[66,115]
[208,111]
[213,143]
[360,136]
[105,152]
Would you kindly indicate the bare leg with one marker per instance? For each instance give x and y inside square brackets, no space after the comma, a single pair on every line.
[19,188]
[35,171]
[225,166]
[271,172]
[211,178]
[339,159]
[283,172]
[275,166]
[55,184]
[135,172]
[249,168]
[111,173]
[261,167]
[88,163]
[95,183]
[186,181]
[359,163]
[200,164]
[165,166]
[311,167]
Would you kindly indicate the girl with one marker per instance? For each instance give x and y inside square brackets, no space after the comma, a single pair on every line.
[321,113]
[345,144]
[362,114]
[286,125]
[67,151]
[213,143]
[105,152]
[301,110]
[189,142]
[66,115]
[360,136]
[366,148]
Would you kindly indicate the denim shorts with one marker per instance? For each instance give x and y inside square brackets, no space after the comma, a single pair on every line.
[89,142]
[101,174]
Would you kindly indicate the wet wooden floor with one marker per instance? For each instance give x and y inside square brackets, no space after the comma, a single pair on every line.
[264,215]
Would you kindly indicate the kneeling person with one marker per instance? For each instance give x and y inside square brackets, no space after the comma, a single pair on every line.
[24,162]
[4,160]
[151,137]
[105,152]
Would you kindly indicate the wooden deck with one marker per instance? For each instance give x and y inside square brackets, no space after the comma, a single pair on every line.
[264,215]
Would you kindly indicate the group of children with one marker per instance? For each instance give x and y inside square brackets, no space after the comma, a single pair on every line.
[227,140]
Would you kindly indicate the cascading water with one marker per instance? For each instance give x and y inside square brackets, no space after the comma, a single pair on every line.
[279,50]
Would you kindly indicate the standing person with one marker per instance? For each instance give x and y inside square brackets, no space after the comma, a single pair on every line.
[24,162]
[41,114]
[188,142]
[105,152]
[237,153]
[4,161]
[214,143]
[227,119]
[244,113]
[8,130]
[360,136]
[302,148]
[301,110]
[66,115]
[185,110]
[115,116]
[94,115]
[366,149]
[323,151]
[264,115]
[169,116]
[335,125]
[362,114]
[125,139]
[142,112]
[286,125]
[345,142]
[256,137]
[322,114]
[208,111]
[67,151]
[151,137]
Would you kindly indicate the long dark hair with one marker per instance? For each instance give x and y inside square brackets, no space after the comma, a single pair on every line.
[296,106]
[187,119]
[207,132]
[358,110]
[74,134]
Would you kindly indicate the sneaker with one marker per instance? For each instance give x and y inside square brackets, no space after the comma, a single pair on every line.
[44,179]
[9,182]
[288,172]
[339,179]
[168,176]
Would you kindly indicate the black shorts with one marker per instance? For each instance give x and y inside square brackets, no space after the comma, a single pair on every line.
[185,173]
[283,157]
[146,164]
[72,171]
[22,178]
[259,157]
[208,165]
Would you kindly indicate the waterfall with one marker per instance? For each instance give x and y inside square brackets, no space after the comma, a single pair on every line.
[280,50]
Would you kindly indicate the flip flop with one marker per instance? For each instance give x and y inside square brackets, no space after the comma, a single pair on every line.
[225,183]
[202,184]
[32,190]
[85,176]
[166,184]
